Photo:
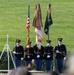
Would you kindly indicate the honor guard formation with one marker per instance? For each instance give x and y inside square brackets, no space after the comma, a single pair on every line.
[39,56]
[48,57]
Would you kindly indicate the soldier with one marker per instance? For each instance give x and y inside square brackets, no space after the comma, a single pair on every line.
[29,56]
[18,52]
[38,56]
[38,49]
[60,51]
[48,55]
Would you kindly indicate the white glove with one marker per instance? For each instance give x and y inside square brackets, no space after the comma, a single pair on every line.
[48,56]
[38,56]
[57,51]
[14,52]
[22,58]
[28,46]
[32,61]
[64,58]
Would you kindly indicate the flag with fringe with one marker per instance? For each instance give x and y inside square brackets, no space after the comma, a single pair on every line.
[37,23]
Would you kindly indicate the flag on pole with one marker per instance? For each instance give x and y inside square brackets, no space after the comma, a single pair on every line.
[48,21]
[28,27]
[28,24]
[37,23]
[39,37]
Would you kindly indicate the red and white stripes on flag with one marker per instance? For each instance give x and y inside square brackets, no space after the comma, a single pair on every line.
[28,24]
[28,29]
[39,37]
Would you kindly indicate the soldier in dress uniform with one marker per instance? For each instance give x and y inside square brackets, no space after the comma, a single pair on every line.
[29,56]
[48,55]
[60,51]
[38,56]
[18,52]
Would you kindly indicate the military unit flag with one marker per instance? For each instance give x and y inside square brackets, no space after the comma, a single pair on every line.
[48,21]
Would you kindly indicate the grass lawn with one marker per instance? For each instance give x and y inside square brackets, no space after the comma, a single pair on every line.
[13,16]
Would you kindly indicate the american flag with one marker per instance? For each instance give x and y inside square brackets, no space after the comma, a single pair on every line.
[28,24]
[28,27]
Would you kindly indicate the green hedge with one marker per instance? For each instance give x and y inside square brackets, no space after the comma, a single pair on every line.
[4,62]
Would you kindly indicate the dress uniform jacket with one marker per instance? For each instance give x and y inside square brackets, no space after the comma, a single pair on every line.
[29,53]
[19,52]
[48,52]
[60,51]
[38,53]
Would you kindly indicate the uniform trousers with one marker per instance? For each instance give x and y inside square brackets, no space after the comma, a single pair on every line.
[17,62]
[38,63]
[60,65]
[48,64]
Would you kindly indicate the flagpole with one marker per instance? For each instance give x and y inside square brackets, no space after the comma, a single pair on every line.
[28,37]
[29,19]
[48,33]
[29,10]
